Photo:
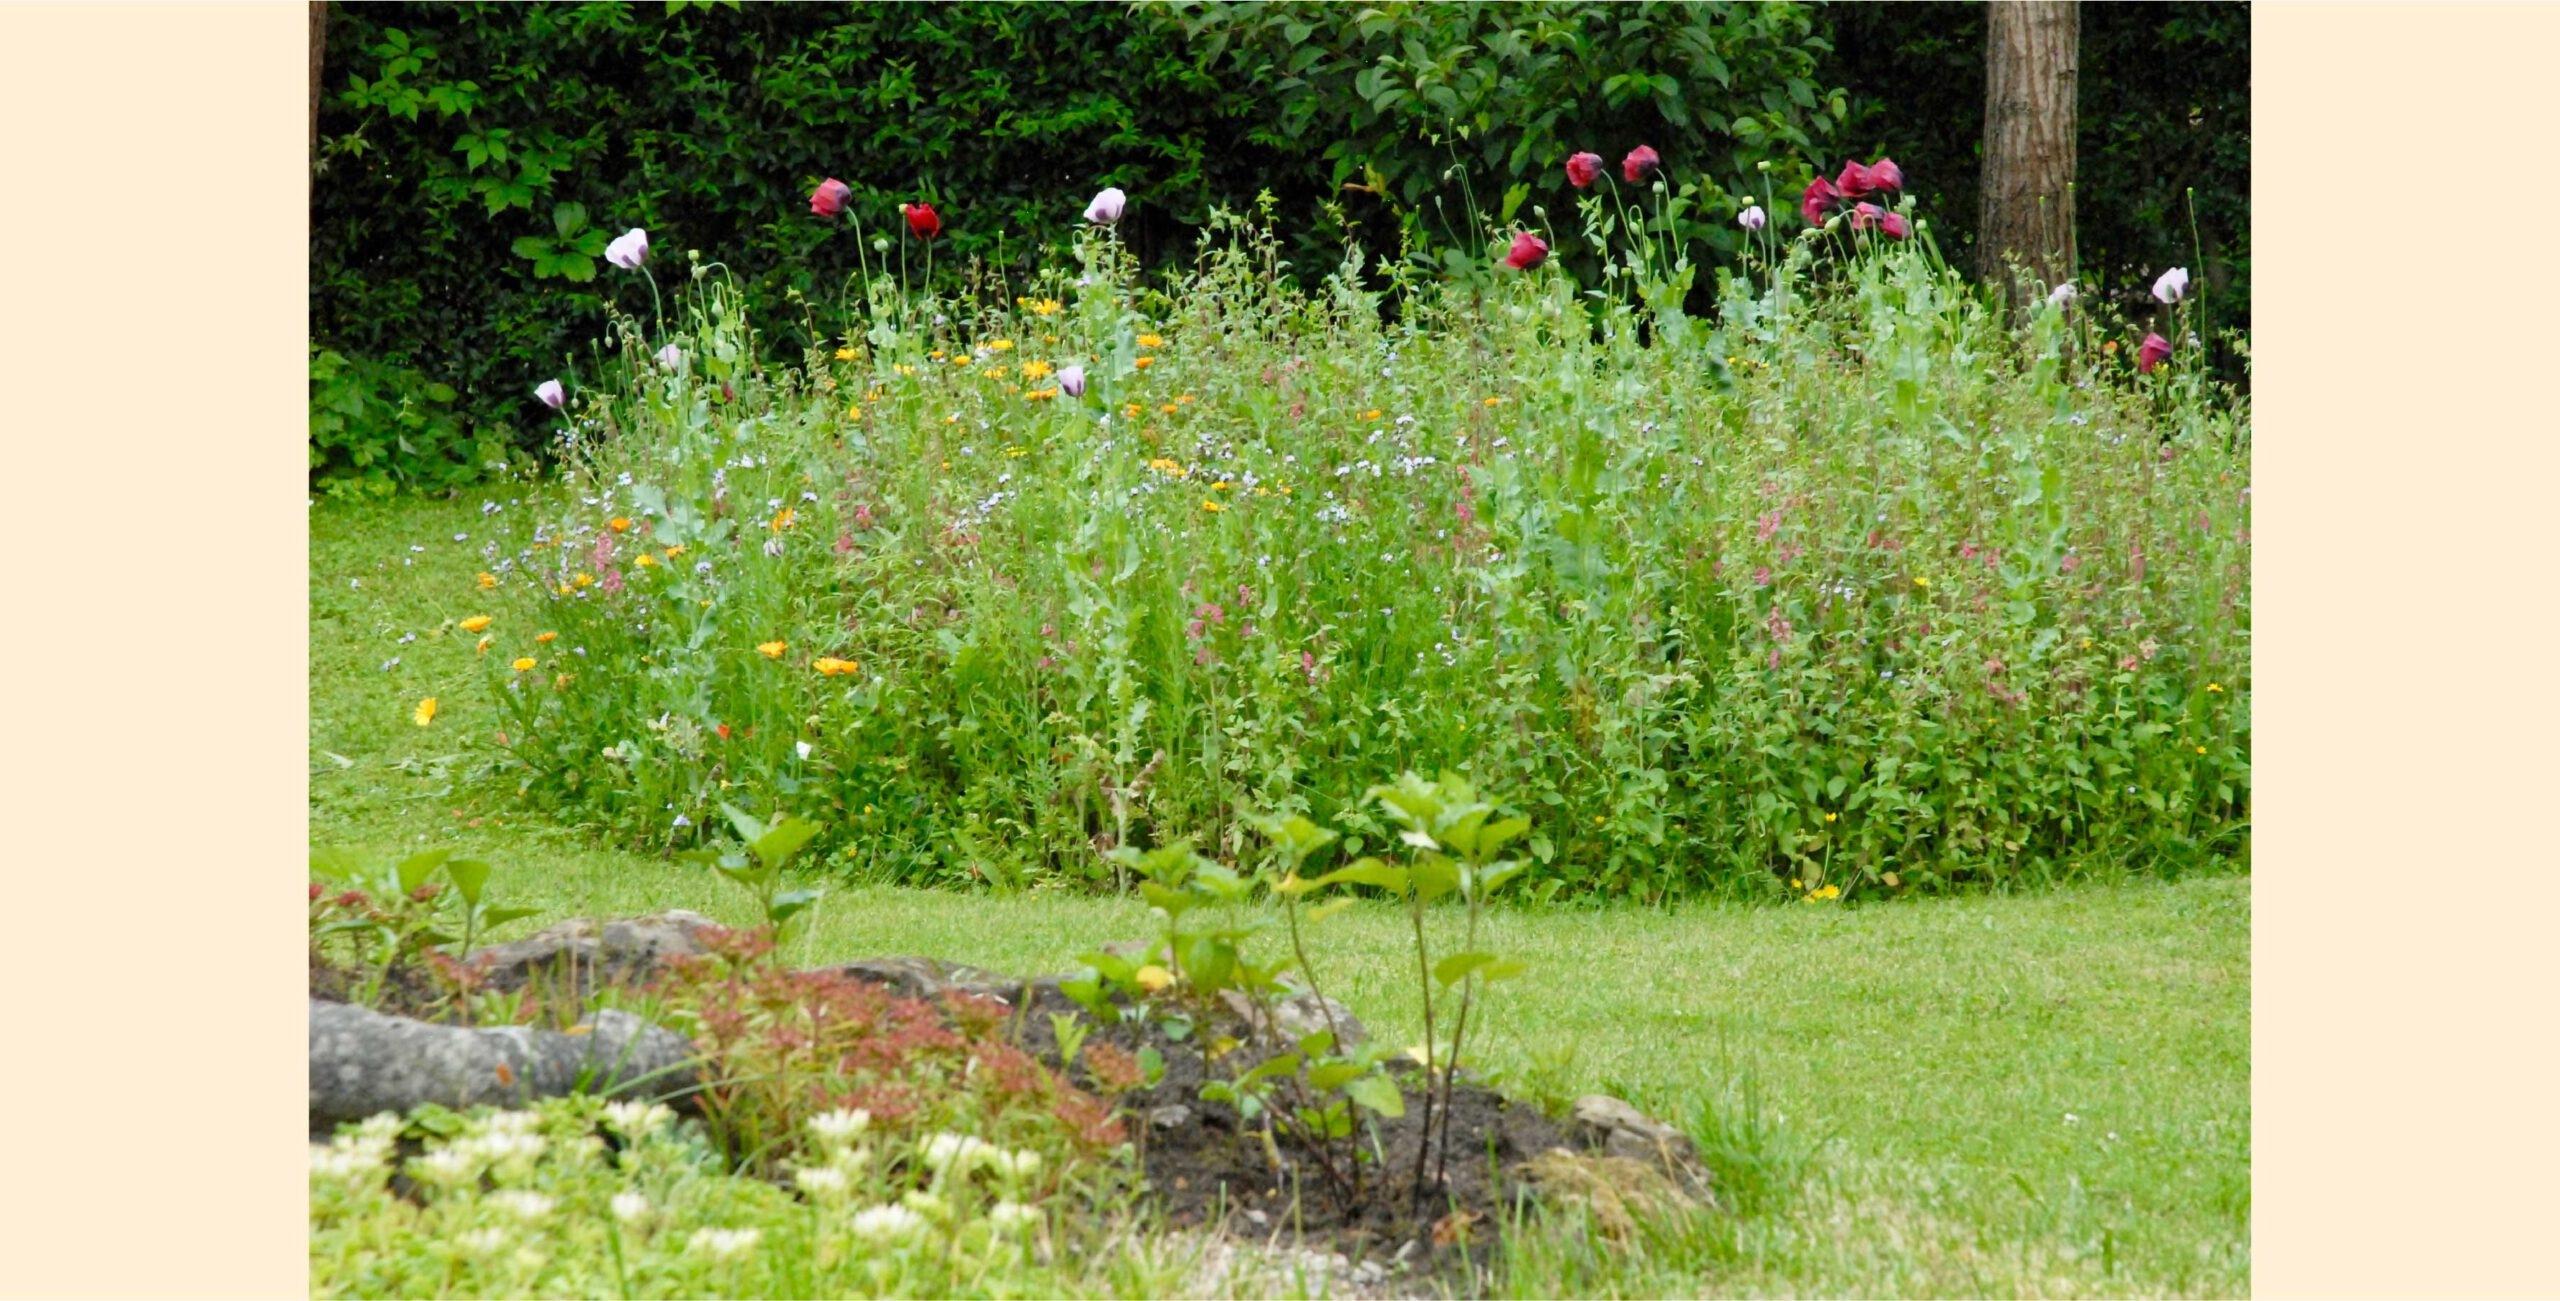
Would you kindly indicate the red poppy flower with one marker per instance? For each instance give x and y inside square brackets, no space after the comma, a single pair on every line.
[922,219]
[1641,164]
[1527,252]
[831,197]
[2155,350]
[723,729]
[1887,175]
[1582,170]
[1819,199]
[1856,182]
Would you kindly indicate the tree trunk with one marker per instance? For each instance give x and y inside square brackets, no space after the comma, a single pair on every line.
[319,47]
[2030,141]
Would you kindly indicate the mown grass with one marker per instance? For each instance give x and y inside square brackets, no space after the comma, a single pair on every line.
[2041,1094]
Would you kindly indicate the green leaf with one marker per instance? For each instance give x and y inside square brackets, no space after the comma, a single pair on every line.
[1333,1075]
[501,916]
[1323,911]
[468,875]
[334,864]
[1317,1044]
[749,829]
[1379,1094]
[1284,1064]
[1503,970]
[791,903]
[416,868]
[1454,968]
[783,839]
[1367,871]
[1173,902]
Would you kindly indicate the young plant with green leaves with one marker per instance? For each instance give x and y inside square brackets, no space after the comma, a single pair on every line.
[758,863]
[397,912]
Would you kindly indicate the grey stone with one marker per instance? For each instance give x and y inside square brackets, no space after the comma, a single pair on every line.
[1627,1132]
[1296,1017]
[927,977]
[364,1062]
[1172,1115]
[587,953]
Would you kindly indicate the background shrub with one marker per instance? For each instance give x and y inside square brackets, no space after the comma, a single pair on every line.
[474,158]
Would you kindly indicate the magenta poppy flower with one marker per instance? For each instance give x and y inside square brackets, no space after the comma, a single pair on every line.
[1527,252]
[1887,175]
[1582,170]
[831,197]
[1855,182]
[2155,350]
[922,219]
[1641,164]
[1819,199]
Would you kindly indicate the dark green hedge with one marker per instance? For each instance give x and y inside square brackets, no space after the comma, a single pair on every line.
[474,158]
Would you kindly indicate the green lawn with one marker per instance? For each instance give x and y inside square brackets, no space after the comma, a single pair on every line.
[2040,1095]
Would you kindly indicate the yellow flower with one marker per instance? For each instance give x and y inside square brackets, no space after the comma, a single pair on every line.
[2199,749]
[1045,306]
[830,666]
[1036,369]
[545,637]
[1152,978]
[1041,394]
[853,413]
[524,665]
[1164,466]
[1150,341]
[846,354]
[1493,402]
[648,561]
[475,623]
[1831,817]
[426,711]
[618,523]
[1168,408]
[1371,414]
[964,359]
[783,520]
[1185,399]
[488,581]
[1000,345]
[1794,884]
[675,551]
[904,369]
[2215,687]
[1919,582]
[584,580]
[1827,892]
[1131,411]
[1213,507]
[772,650]
[1220,486]
[484,645]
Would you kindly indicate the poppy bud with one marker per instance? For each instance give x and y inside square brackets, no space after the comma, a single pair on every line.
[551,394]
[922,219]
[1753,218]
[831,197]
[1071,381]
[1527,252]
[1582,170]
[1106,207]
[1886,175]
[1643,162]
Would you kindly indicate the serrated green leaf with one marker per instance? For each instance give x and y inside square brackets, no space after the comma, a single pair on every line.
[1378,1093]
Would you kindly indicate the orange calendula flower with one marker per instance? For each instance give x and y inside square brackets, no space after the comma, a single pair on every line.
[1493,402]
[619,523]
[1372,414]
[1150,340]
[484,645]
[1144,362]
[1163,465]
[425,712]
[830,666]
[524,665]
[488,581]
[1169,408]
[783,520]
[1041,394]
[1185,399]
[544,637]
[475,623]
[772,650]
[1213,507]
[1131,411]
[675,551]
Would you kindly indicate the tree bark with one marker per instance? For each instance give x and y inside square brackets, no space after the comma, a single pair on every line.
[2030,141]
[319,48]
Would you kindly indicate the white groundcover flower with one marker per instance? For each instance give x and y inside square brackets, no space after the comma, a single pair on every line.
[839,1126]
[723,1244]
[630,1208]
[886,1224]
